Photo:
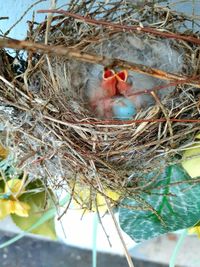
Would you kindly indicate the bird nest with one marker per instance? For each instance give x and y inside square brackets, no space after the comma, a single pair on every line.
[45,113]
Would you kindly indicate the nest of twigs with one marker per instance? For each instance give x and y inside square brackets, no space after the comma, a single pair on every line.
[54,133]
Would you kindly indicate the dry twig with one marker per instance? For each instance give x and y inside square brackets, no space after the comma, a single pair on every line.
[95,59]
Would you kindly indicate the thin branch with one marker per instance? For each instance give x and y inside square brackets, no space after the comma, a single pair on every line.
[161,87]
[126,252]
[2,18]
[124,27]
[95,59]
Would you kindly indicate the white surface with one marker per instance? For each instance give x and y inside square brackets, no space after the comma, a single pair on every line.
[160,250]
[79,232]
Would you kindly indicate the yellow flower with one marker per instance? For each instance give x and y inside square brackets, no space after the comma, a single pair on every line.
[88,199]
[9,202]
[194,230]
[3,152]
[191,159]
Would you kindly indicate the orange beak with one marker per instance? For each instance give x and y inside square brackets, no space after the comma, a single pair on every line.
[122,85]
[109,83]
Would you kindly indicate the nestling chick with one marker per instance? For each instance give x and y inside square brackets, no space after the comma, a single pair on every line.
[108,83]
[108,95]
[103,92]
[99,93]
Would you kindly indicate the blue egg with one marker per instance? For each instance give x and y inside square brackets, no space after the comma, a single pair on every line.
[123,109]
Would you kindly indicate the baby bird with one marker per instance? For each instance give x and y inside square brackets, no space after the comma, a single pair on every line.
[108,83]
[112,95]
[124,83]
[99,92]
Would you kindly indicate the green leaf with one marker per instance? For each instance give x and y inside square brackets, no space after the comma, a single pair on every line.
[39,203]
[176,206]
[2,186]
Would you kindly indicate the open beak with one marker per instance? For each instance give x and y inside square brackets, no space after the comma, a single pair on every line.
[109,82]
[122,85]
[122,75]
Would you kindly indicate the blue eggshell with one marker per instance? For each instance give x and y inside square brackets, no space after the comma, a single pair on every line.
[123,109]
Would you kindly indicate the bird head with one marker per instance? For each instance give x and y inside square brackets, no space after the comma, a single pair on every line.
[122,75]
[124,82]
[108,82]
